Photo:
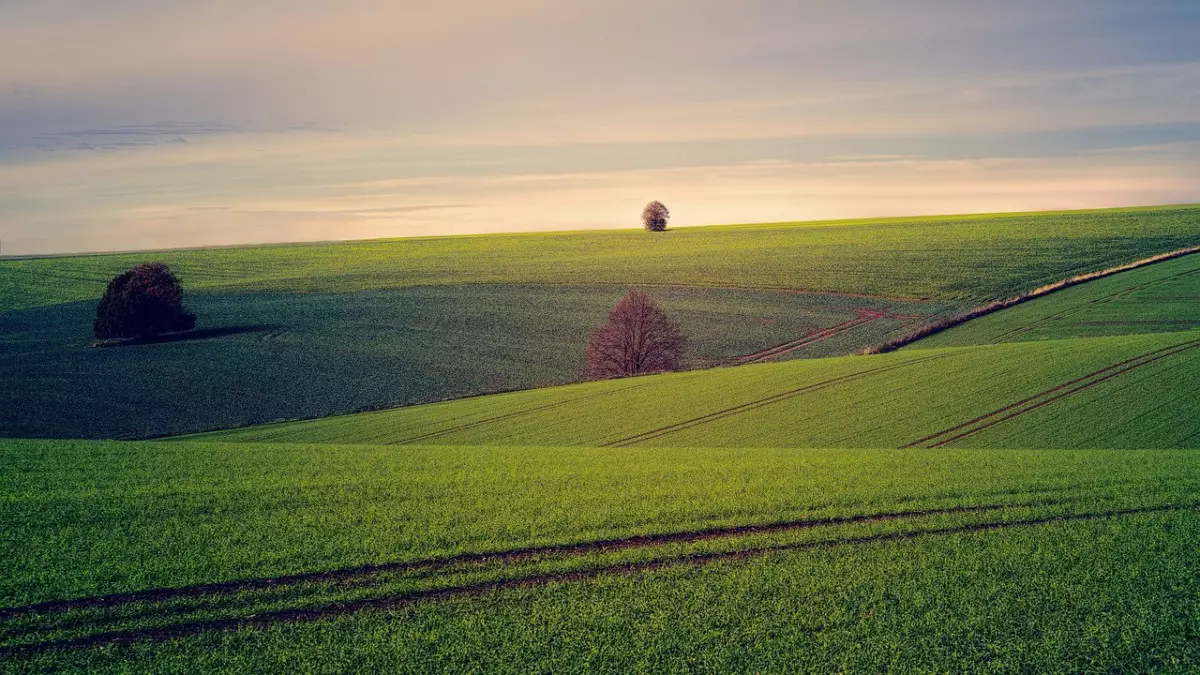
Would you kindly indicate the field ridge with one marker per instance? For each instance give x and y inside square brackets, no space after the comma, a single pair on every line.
[992,307]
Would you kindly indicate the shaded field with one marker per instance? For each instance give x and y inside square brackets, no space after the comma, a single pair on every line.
[188,542]
[1162,297]
[952,258]
[270,356]
[1113,392]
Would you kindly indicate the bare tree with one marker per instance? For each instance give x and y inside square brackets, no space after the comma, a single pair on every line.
[655,216]
[637,338]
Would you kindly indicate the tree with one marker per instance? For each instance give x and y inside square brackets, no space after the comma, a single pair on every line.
[637,338]
[143,302]
[655,216]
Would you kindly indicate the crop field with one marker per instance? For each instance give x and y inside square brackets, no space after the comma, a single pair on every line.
[1081,387]
[194,553]
[1020,493]
[946,258]
[338,352]
[1161,297]
[346,327]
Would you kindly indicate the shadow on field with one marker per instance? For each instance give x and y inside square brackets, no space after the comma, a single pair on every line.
[202,334]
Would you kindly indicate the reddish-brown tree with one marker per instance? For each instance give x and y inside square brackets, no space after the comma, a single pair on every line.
[637,338]
[143,302]
[655,216]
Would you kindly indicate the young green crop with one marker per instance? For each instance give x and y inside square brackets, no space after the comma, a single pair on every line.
[88,518]
[890,400]
[1156,298]
[1116,594]
[269,356]
[951,258]
[400,322]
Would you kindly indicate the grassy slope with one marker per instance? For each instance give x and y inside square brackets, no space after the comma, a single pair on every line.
[949,258]
[889,400]
[83,518]
[1116,593]
[86,518]
[380,327]
[1161,297]
[1071,597]
[287,355]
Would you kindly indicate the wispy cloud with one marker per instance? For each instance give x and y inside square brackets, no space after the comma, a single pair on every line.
[135,122]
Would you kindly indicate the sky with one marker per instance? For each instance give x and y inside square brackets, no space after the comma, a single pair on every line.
[130,124]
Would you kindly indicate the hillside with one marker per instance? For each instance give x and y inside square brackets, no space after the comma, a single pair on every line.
[1115,392]
[1021,490]
[304,331]
[188,552]
[937,257]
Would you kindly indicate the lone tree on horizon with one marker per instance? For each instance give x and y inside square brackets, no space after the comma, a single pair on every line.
[655,217]
[144,302]
[638,338]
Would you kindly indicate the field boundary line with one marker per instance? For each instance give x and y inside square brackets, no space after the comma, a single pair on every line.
[541,580]
[1022,330]
[1049,396]
[983,310]
[759,403]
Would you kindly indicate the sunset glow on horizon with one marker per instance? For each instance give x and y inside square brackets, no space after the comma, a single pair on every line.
[141,124]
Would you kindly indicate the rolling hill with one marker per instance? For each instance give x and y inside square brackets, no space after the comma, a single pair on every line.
[304,331]
[1017,493]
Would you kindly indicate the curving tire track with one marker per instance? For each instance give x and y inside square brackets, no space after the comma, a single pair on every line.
[264,619]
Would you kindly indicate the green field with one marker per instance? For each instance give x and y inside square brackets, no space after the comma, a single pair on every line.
[1139,385]
[1016,494]
[1161,297]
[344,327]
[276,356]
[579,530]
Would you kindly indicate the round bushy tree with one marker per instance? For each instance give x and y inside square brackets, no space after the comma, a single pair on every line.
[655,216]
[143,302]
[638,338]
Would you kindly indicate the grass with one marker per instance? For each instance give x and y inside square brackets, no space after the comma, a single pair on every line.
[345,327]
[1164,296]
[1105,596]
[271,356]
[1139,384]
[85,519]
[965,258]
[733,522]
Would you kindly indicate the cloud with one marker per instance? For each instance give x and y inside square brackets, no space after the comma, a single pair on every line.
[215,121]
[749,192]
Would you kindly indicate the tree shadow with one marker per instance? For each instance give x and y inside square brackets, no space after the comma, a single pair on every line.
[201,334]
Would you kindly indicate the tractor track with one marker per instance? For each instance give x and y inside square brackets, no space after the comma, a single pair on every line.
[518,413]
[1048,396]
[540,580]
[597,546]
[759,403]
[863,317]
